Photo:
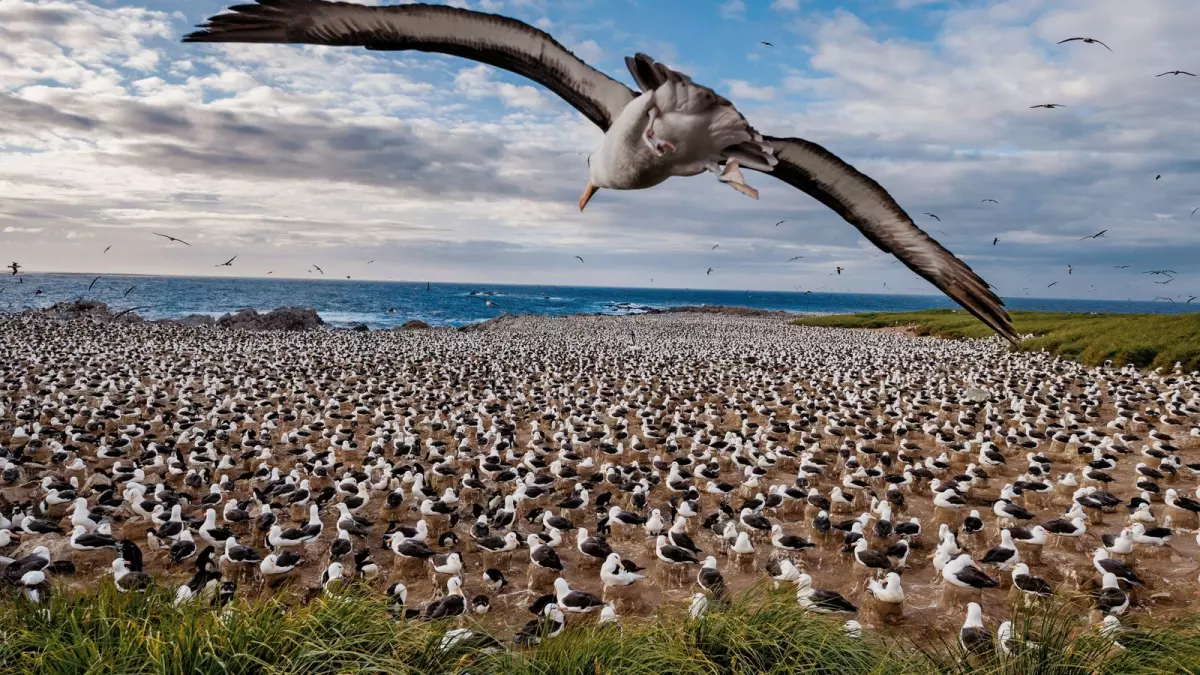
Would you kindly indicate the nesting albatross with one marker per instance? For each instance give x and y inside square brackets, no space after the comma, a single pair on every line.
[675,127]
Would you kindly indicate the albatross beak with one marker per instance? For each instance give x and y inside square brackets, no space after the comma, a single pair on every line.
[587,195]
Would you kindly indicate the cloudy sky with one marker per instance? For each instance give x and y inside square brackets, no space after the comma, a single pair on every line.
[440,169]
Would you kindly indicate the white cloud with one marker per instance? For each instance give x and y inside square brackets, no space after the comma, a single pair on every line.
[733,9]
[785,5]
[22,230]
[589,51]
[740,90]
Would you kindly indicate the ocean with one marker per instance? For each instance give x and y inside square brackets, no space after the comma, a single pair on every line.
[381,304]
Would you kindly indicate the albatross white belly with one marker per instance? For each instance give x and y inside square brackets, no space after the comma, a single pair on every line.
[674,127]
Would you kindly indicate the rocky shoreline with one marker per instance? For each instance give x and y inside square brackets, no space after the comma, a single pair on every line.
[307,318]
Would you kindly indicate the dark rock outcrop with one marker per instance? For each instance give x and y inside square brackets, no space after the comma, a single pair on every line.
[414,325]
[283,318]
[90,309]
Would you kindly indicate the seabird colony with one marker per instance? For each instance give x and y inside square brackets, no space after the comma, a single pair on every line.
[553,468]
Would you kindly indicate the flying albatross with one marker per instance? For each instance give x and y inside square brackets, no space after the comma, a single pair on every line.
[674,127]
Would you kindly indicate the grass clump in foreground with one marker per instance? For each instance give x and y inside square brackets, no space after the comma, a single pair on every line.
[1143,340]
[104,631]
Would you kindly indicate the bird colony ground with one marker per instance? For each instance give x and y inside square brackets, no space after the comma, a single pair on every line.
[722,428]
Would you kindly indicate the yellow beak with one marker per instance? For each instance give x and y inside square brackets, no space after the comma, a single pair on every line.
[587,195]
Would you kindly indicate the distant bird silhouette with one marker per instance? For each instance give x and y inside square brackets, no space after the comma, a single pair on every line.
[1048,106]
[1052,284]
[1121,267]
[1086,40]
[1158,176]
[714,247]
[319,269]
[1195,210]
[128,291]
[1189,300]
[93,283]
[1176,72]
[580,258]
[227,263]
[934,217]
[1163,297]
[1160,272]
[270,273]
[989,200]
[764,42]
[1094,236]
[710,271]
[14,267]
[994,240]
[795,258]
[370,261]
[839,270]
[780,223]
[106,250]
[167,236]
[1164,283]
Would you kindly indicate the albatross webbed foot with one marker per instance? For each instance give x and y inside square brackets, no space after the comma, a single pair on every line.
[732,176]
[657,145]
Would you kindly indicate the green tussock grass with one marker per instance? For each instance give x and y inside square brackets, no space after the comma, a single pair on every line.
[761,632]
[1143,340]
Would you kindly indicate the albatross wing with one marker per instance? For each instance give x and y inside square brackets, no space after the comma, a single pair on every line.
[495,40]
[867,206]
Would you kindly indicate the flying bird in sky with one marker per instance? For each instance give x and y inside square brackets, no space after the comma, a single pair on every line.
[995,240]
[319,269]
[1086,40]
[1168,272]
[1195,210]
[93,283]
[795,258]
[1163,297]
[14,266]
[1176,72]
[1052,284]
[710,271]
[989,200]
[764,42]
[370,261]
[581,258]
[1121,267]
[1158,176]
[1164,283]
[1048,106]
[934,217]
[106,250]
[227,263]
[839,270]
[269,273]
[1189,300]
[1094,236]
[673,126]
[167,236]
[780,223]
[1070,269]
[714,247]
[126,294]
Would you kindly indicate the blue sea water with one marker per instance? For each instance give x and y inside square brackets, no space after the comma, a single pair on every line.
[347,302]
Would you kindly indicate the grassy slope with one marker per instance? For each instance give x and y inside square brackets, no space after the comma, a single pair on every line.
[762,633]
[1139,339]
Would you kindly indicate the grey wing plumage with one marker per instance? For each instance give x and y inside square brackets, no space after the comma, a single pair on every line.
[867,206]
[495,40]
